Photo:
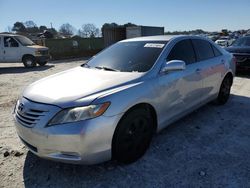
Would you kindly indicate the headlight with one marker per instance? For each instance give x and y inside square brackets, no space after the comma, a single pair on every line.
[37,52]
[79,113]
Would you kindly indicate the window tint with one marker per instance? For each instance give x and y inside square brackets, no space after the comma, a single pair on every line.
[216,51]
[184,51]
[10,42]
[203,49]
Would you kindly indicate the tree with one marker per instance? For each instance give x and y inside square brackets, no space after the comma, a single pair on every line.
[9,28]
[129,24]
[42,28]
[19,27]
[66,29]
[89,31]
[31,27]
[30,24]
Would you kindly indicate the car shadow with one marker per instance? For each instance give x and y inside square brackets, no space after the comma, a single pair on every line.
[21,69]
[196,151]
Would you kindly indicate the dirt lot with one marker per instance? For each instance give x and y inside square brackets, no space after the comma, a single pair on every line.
[208,148]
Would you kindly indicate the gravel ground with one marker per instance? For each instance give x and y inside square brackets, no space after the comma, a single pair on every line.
[208,148]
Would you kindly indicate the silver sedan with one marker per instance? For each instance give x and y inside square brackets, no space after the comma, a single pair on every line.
[110,107]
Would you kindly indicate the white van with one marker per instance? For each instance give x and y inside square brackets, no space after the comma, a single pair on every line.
[17,48]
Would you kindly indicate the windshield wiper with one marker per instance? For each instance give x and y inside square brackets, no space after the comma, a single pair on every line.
[85,65]
[107,68]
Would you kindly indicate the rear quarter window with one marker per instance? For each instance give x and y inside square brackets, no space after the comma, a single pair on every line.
[203,49]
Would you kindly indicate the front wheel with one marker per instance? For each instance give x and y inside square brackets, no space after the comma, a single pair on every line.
[132,136]
[224,92]
[29,61]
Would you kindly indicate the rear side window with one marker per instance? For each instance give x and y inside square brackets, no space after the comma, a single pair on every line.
[203,49]
[216,51]
[184,51]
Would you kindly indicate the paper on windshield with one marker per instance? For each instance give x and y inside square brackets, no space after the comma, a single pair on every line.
[154,45]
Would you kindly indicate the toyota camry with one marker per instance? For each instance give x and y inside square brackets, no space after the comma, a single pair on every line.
[111,106]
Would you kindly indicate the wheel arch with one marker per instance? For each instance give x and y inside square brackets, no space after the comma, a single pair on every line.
[27,55]
[147,106]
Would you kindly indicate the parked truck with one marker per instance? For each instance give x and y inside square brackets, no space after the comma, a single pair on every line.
[18,48]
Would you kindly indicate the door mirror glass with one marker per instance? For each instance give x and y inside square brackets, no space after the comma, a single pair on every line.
[173,65]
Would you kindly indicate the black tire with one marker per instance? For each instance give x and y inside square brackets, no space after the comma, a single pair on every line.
[224,92]
[29,61]
[132,136]
[42,63]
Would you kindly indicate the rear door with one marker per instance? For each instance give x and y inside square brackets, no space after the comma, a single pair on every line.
[211,62]
[11,49]
[180,90]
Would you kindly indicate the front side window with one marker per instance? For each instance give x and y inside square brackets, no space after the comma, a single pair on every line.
[203,49]
[136,56]
[184,51]
[10,42]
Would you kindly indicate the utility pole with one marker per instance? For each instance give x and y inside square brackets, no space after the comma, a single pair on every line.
[51,25]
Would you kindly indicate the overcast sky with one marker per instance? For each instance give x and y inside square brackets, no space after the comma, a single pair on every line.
[210,15]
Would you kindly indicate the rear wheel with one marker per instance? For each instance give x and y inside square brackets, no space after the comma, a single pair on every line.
[29,61]
[132,136]
[224,92]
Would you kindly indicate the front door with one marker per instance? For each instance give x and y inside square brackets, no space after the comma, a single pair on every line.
[179,91]
[10,49]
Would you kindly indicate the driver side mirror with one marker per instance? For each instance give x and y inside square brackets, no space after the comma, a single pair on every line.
[173,65]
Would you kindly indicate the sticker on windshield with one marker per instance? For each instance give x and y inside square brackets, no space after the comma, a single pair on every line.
[154,45]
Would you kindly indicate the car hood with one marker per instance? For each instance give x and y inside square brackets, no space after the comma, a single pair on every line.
[38,47]
[235,49]
[77,85]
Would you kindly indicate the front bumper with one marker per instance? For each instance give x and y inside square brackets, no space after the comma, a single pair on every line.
[42,58]
[85,142]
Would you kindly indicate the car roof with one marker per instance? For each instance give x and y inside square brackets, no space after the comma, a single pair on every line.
[9,34]
[163,38]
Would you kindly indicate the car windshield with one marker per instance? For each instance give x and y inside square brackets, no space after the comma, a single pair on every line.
[138,56]
[245,41]
[24,41]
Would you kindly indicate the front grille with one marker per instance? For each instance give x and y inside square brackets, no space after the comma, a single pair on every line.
[44,52]
[28,116]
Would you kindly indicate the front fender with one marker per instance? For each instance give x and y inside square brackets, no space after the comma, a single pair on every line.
[122,100]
